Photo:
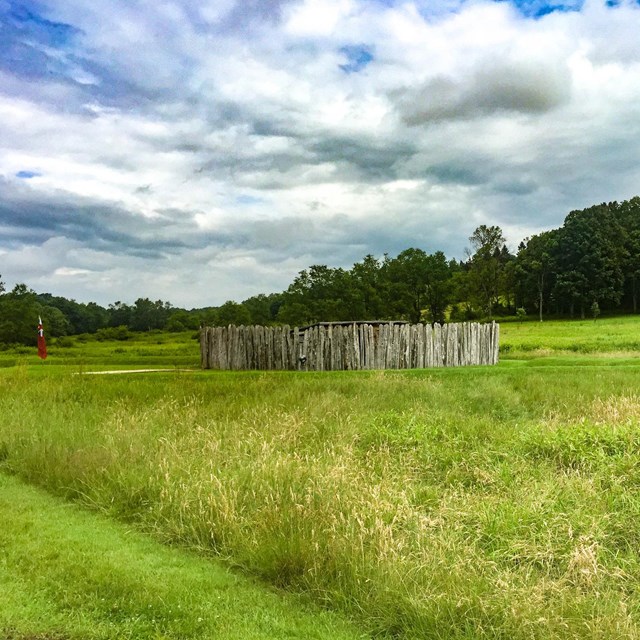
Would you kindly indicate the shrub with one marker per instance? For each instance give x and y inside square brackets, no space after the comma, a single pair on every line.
[113,333]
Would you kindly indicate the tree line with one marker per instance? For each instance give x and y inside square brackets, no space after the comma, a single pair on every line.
[588,265]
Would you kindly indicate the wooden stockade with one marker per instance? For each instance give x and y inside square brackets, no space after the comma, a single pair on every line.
[349,346]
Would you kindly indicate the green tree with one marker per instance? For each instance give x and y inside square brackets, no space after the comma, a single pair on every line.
[57,323]
[320,294]
[93,318]
[295,314]
[82,318]
[535,269]
[181,320]
[408,283]
[19,312]
[439,285]
[486,267]
[147,315]
[628,216]
[461,287]
[303,297]
[263,309]
[420,282]
[508,292]
[119,314]
[233,313]
[370,279]
[590,254]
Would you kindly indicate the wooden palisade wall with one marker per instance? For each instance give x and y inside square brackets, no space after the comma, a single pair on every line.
[349,347]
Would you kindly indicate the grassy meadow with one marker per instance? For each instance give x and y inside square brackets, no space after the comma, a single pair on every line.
[616,337]
[154,350]
[482,502]
[68,574]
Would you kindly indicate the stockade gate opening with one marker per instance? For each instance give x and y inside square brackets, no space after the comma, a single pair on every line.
[340,346]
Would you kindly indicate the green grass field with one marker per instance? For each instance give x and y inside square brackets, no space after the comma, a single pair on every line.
[484,502]
[619,337]
[153,349]
[65,574]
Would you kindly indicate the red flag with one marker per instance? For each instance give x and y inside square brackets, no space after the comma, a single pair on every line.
[42,345]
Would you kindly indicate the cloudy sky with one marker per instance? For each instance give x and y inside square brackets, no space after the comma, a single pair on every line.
[204,151]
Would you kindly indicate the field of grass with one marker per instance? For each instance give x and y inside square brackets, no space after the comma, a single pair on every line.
[67,574]
[615,336]
[484,502]
[154,349]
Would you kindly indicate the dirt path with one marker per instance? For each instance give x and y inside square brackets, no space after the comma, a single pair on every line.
[113,371]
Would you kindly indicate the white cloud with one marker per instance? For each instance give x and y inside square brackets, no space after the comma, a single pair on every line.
[318,18]
[174,146]
[71,272]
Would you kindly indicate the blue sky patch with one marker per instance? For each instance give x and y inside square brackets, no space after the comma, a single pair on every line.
[26,175]
[28,42]
[25,19]
[358,57]
[540,8]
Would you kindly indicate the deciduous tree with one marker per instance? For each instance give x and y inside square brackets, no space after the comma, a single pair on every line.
[486,268]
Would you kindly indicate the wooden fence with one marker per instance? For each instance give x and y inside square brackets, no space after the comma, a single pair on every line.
[349,346]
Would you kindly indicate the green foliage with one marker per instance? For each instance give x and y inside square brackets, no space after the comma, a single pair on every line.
[79,318]
[487,267]
[119,314]
[146,315]
[113,333]
[589,258]
[408,281]
[19,313]
[370,279]
[627,215]
[415,286]
[320,294]
[263,309]
[534,270]
[64,342]
[419,281]
[232,313]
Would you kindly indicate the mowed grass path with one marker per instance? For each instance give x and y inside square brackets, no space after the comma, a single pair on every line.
[67,574]
[495,502]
